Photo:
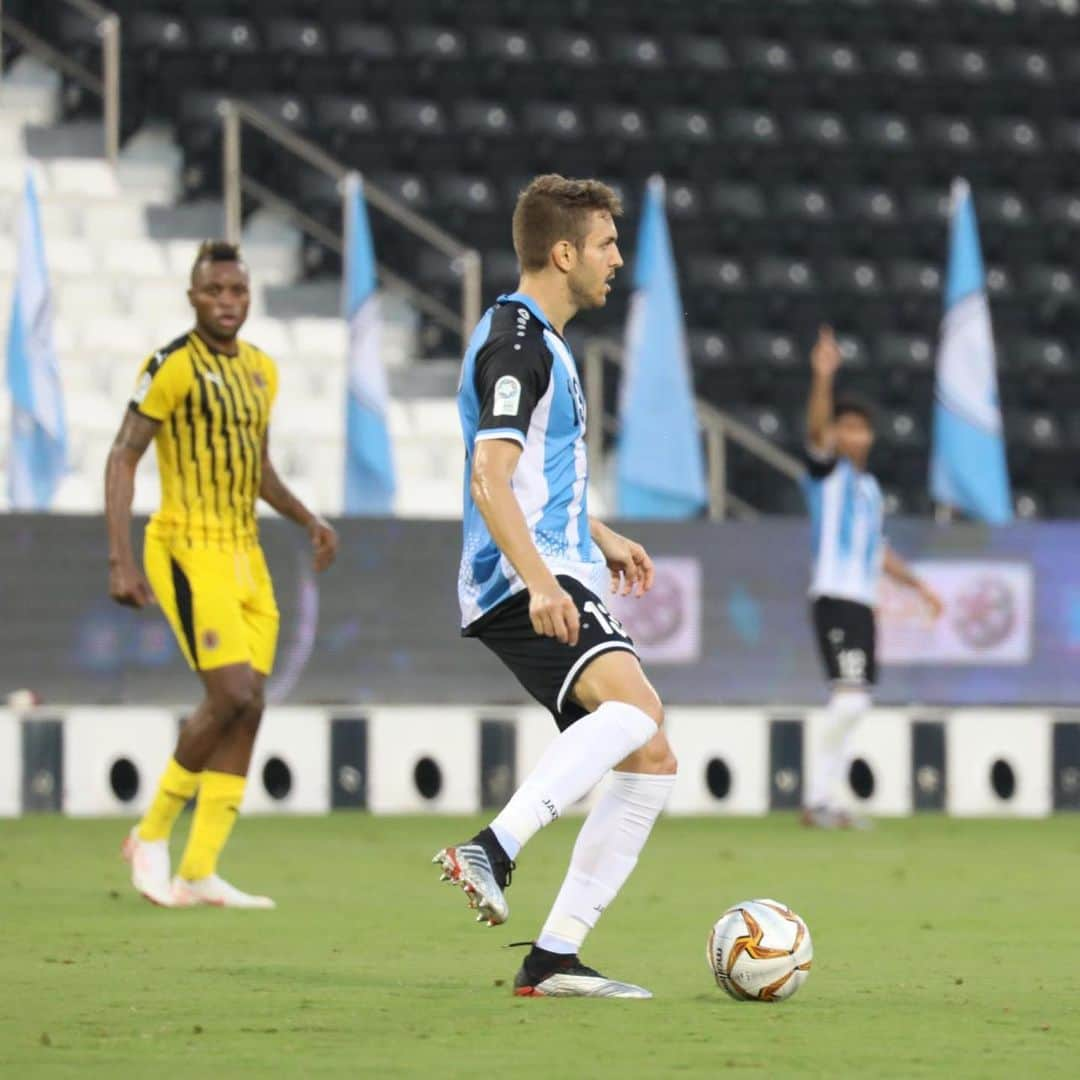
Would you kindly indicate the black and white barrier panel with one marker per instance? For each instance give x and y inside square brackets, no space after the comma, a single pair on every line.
[456,760]
[111,758]
[1004,759]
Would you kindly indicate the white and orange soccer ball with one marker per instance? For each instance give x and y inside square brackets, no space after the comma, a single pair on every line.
[760,950]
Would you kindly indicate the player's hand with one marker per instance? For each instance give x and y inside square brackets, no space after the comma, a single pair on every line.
[128,586]
[825,358]
[631,568]
[931,599]
[324,543]
[554,614]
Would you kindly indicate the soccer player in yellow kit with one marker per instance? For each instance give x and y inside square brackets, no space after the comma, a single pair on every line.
[205,401]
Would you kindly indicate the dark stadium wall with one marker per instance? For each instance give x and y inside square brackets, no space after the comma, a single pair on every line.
[726,624]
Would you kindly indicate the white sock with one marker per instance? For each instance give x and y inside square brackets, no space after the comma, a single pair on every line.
[605,853]
[847,707]
[569,768]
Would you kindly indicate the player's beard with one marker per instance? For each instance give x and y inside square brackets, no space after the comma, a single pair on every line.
[583,299]
[226,334]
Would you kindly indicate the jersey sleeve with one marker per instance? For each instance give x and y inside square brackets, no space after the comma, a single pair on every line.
[819,464]
[511,378]
[163,383]
[270,373]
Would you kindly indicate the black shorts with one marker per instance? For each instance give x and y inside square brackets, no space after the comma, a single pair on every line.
[545,666]
[847,638]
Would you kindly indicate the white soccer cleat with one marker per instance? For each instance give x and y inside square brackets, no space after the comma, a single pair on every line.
[149,860]
[469,866]
[216,892]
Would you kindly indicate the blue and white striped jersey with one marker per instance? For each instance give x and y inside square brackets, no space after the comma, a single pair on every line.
[846,513]
[519,381]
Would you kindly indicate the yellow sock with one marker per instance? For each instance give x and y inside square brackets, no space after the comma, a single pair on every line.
[220,795]
[176,786]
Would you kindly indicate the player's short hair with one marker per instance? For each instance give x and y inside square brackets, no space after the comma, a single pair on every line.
[852,405]
[553,208]
[215,251]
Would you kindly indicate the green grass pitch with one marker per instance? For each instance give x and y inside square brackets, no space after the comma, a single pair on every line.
[942,948]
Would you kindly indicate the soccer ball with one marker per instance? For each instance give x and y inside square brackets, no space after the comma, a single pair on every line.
[759,950]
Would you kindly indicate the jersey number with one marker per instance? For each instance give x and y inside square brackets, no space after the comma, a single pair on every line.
[852,664]
[608,623]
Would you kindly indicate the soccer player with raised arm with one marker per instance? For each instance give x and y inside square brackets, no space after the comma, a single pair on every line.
[850,553]
[533,567]
[205,401]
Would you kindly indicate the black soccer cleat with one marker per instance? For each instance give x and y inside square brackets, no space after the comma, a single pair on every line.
[548,975]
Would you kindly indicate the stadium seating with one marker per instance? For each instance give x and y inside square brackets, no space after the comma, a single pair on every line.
[808,147]
[119,294]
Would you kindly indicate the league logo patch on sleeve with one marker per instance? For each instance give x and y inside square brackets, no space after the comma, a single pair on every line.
[142,388]
[507,396]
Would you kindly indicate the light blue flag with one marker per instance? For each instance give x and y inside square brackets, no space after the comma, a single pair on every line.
[38,453]
[660,468]
[967,463]
[369,464]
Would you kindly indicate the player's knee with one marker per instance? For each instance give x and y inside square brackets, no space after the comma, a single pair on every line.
[655,758]
[251,716]
[653,707]
[662,760]
[234,701]
[258,701]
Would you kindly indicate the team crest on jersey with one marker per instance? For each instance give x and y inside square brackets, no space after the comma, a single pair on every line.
[507,396]
[210,639]
[259,380]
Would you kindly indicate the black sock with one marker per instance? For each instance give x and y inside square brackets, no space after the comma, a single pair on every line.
[490,843]
[541,960]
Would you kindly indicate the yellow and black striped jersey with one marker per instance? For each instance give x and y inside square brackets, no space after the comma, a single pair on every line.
[214,411]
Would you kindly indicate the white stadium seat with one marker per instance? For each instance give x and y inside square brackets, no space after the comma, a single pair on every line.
[180,255]
[80,492]
[323,338]
[270,335]
[67,256]
[326,380]
[158,300]
[84,297]
[89,178]
[104,222]
[117,335]
[301,418]
[135,258]
[63,219]
[13,176]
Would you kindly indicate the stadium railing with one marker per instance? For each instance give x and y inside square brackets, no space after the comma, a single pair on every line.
[237,184]
[717,427]
[107,87]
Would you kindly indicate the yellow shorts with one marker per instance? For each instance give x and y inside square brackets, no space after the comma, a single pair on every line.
[220,604]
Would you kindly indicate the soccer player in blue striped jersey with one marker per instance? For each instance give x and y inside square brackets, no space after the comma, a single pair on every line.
[850,554]
[533,566]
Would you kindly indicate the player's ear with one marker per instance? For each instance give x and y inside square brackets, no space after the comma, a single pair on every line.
[563,255]
[191,297]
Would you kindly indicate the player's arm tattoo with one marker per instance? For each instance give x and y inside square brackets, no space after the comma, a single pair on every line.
[136,433]
[275,492]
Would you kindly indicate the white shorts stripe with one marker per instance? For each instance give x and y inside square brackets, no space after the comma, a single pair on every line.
[582,660]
